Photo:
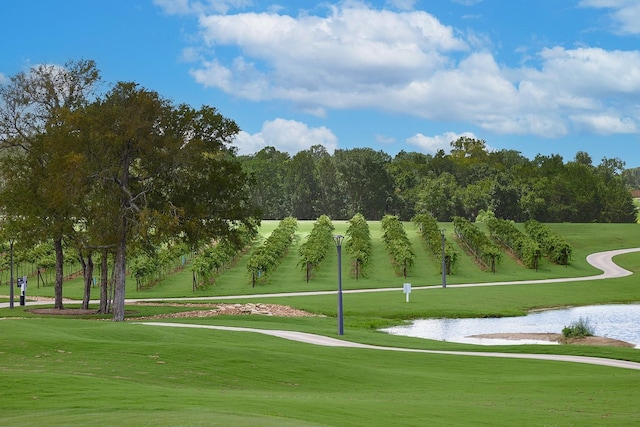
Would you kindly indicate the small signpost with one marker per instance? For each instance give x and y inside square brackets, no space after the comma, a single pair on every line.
[407,290]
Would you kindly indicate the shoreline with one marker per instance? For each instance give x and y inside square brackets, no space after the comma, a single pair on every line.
[558,338]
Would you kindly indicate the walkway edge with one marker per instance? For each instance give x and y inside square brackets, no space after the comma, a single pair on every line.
[314,339]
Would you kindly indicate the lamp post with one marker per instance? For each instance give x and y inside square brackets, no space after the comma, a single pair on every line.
[11,274]
[338,239]
[444,264]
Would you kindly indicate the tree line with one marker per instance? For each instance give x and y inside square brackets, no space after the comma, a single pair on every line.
[463,183]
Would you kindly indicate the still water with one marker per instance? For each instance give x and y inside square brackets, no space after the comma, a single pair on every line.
[618,321]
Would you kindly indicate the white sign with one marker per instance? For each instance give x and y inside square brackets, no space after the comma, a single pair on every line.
[407,290]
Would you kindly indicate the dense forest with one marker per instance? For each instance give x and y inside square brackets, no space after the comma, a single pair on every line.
[468,180]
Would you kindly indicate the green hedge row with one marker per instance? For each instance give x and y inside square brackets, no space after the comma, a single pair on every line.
[215,258]
[397,244]
[358,244]
[268,256]
[553,246]
[480,245]
[314,250]
[432,234]
[525,248]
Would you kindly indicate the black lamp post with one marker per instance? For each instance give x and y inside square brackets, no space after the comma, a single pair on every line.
[444,264]
[338,239]
[11,274]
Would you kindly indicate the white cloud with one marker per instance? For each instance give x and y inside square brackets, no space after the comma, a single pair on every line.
[286,135]
[625,14]
[3,79]
[409,63]
[431,144]
[353,51]
[604,124]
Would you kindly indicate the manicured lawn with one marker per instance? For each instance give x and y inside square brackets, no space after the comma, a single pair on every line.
[63,371]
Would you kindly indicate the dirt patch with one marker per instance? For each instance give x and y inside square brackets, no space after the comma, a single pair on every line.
[206,310]
[209,310]
[559,338]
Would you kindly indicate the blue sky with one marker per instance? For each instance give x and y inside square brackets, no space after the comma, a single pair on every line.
[537,76]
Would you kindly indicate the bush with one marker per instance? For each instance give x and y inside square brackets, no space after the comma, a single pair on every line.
[579,329]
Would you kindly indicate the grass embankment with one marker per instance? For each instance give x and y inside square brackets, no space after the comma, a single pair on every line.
[71,371]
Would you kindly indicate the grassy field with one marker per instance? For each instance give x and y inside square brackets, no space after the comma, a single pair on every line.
[70,371]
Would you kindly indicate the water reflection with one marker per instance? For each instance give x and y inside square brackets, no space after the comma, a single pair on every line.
[618,321]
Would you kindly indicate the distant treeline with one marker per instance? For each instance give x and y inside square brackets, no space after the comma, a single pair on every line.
[468,180]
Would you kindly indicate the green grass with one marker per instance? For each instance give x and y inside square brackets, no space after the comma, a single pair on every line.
[64,371]
[290,278]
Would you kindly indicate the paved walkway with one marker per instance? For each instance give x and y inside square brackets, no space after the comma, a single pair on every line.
[601,260]
[334,342]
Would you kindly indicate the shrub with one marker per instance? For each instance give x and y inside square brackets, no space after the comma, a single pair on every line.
[578,329]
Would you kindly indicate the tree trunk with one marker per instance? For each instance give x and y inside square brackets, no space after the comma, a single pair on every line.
[120,260]
[120,273]
[87,274]
[57,244]
[104,282]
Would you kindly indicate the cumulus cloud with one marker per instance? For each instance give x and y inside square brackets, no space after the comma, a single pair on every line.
[625,14]
[287,135]
[408,62]
[351,52]
[3,79]
[432,144]
[604,124]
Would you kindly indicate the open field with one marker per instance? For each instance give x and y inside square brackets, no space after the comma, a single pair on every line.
[65,371]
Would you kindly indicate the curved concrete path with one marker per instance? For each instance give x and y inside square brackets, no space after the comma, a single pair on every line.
[334,342]
[601,260]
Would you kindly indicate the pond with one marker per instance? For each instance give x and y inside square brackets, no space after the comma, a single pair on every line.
[617,321]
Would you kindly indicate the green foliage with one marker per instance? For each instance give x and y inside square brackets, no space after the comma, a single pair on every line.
[214,258]
[578,329]
[397,244]
[522,245]
[358,244]
[461,183]
[433,237]
[478,243]
[266,258]
[314,250]
[553,246]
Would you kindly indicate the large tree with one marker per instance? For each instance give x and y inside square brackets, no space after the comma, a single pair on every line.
[365,181]
[38,173]
[169,170]
[268,169]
